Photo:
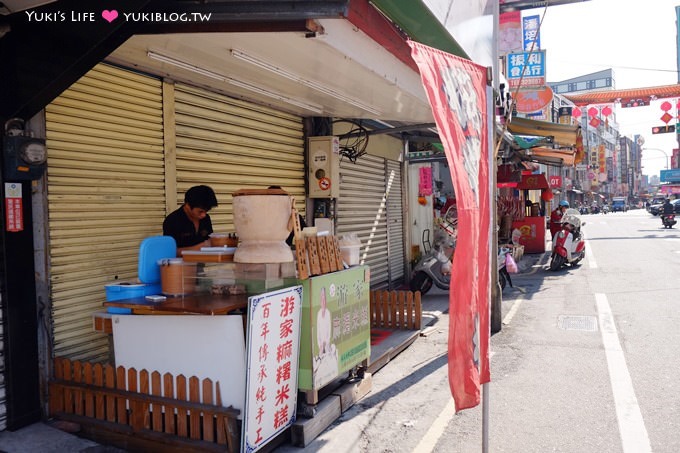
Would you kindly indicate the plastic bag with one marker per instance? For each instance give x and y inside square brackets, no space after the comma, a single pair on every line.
[510,264]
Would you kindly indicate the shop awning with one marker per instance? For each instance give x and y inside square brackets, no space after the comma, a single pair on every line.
[533,182]
[550,156]
[563,134]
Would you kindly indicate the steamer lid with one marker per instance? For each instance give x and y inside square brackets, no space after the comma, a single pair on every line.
[259,192]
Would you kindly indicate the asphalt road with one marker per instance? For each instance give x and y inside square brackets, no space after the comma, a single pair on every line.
[587,361]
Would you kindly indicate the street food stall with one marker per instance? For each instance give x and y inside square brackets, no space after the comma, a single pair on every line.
[243,317]
[532,226]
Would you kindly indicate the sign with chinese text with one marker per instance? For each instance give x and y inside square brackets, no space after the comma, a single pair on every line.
[527,67]
[530,33]
[670,175]
[534,101]
[272,365]
[14,216]
[424,181]
[336,330]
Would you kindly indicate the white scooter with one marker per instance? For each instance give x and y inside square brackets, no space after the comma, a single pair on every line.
[569,246]
[434,267]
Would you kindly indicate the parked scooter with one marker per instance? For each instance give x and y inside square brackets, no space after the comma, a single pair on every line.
[569,246]
[503,274]
[434,267]
[668,220]
[605,209]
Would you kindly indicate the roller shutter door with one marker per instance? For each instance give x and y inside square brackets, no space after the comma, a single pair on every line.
[230,144]
[3,388]
[363,207]
[105,186]
[395,222]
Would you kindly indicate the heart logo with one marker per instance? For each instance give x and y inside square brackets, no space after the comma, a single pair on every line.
[109,16]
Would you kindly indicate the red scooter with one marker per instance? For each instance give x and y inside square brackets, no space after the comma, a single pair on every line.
[569,246]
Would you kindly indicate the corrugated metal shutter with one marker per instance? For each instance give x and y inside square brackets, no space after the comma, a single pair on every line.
[3,388]
[395,221]
[361,209]
[106,193]
[230,144]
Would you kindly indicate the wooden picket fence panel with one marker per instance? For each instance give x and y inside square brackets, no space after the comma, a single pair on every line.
[132,403]
[396,310]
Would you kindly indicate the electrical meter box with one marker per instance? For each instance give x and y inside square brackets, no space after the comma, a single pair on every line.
[323,167]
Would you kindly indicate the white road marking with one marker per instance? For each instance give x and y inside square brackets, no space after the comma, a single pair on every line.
[438,426]
[432,436]
[591,258]
[634,438]
[513,310]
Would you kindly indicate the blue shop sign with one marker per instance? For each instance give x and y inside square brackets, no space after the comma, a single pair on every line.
[670,175]
[534,74]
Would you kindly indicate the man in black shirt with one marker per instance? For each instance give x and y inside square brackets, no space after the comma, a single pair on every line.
[668,207]
[190,224]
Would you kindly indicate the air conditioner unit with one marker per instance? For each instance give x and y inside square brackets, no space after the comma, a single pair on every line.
[323,167]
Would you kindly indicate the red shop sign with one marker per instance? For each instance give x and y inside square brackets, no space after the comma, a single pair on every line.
[555,181]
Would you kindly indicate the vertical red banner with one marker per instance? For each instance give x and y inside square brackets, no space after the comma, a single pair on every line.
[456,90]
[14,216]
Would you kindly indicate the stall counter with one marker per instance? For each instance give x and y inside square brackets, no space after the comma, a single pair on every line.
[532,231]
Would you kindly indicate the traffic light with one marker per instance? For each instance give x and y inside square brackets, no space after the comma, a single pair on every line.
[663,129]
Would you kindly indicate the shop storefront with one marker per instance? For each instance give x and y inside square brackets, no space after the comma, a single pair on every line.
[125,144]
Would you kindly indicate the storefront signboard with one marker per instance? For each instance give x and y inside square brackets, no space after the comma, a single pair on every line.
[272,365]
[531,32]
[672,175]
[527,67]
[336,330]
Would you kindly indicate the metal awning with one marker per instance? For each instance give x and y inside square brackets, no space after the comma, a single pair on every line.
[562,134]
[550,156]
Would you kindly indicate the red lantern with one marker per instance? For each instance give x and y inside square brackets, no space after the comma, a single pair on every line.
[546,195]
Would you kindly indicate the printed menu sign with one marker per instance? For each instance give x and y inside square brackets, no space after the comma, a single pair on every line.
[272,365]
[14,216]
